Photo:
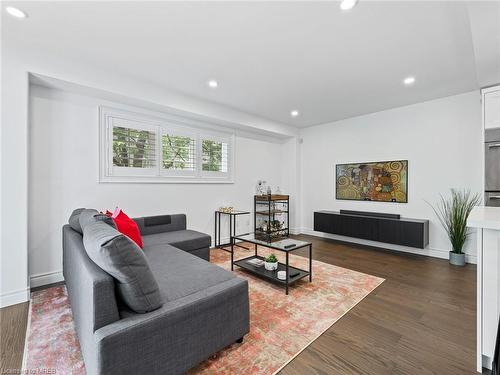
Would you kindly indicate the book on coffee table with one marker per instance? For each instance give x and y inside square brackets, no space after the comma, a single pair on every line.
[256,262]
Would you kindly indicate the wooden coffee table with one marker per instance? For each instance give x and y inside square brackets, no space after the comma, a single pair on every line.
[293,273]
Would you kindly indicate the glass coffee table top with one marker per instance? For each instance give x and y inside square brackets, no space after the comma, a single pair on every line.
[278,245]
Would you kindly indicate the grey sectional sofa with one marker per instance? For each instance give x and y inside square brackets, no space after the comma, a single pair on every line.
[205,307]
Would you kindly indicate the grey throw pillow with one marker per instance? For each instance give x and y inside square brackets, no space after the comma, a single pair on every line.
[119,256]
[89,215]
[74,220]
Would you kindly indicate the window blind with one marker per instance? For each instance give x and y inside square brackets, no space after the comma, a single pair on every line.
[179,152]
[134,147]
[214,156]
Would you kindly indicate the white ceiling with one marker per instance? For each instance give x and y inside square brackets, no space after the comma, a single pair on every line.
[272,57]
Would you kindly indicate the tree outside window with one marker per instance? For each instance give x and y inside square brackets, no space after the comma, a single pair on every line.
[212,156]
[133,148]
[178,152]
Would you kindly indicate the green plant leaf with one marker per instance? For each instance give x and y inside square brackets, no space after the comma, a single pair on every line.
[453,212]
[271,258]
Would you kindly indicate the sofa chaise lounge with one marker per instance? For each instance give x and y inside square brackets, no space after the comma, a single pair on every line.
[205,307]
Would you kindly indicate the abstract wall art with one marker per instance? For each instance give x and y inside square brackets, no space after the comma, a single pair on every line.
[383,181]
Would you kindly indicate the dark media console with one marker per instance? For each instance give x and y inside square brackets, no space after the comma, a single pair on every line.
[371,214]
[374,226]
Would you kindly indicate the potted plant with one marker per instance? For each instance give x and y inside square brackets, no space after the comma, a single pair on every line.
[453,212]
[271,263]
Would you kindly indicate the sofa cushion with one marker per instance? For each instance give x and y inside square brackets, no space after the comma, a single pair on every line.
[161,223]
[119,256]
[186,240]
[179,273]
[74,220]
[89,215]
[127,226]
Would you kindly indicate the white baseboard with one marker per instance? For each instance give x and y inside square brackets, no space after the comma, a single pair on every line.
[46,278]
[431,252]
[469,258]
[14,297]
[23,295]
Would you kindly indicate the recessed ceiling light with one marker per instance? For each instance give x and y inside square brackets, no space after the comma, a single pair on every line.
[18,13]
[409,80]
[294,113]
[348,4]
[213,83]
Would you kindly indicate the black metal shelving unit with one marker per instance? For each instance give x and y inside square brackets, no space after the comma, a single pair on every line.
[271,217]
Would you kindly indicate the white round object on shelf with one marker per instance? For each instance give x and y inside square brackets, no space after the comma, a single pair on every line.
[282,275]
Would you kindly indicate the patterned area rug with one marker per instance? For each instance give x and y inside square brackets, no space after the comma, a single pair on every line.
[281,326]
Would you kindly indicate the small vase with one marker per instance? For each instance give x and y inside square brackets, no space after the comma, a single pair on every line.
[457,259]
[271,266]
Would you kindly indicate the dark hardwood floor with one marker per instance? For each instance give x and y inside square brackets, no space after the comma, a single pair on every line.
[13,321]
[421,320]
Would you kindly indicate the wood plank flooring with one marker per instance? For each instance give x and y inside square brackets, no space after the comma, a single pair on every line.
[13,321]
[421,320]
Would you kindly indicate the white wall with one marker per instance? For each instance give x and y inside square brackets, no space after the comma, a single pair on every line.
[441,140]
[64,175]
[17,61]
[14,287]
[290,179]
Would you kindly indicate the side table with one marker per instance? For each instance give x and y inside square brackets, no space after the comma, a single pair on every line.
[232,228]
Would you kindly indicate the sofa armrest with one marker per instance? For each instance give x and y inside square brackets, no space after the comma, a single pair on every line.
[91,290]
[177,336]
[162,223]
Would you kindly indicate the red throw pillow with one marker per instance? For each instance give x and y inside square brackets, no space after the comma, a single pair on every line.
[127,226]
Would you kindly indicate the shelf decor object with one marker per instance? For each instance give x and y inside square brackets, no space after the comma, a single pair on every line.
[260,188]
[271,217]
[383,181]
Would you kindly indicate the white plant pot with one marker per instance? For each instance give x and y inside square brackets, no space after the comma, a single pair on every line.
[271,266]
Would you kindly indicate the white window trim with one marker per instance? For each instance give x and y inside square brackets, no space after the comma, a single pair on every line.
[110,174]
[215,138]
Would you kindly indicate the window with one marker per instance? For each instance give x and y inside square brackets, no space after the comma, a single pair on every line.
[179,154]
[214,156]
[137,148]
[133,148]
